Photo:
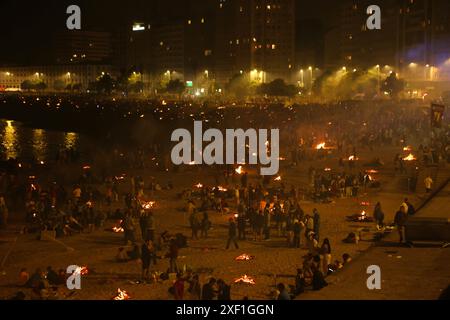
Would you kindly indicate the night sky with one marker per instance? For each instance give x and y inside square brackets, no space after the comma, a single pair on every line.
[25,25]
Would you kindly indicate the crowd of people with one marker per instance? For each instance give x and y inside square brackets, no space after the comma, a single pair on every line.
[260,210]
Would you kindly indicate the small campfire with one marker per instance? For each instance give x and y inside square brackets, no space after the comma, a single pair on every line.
[82,270]
[410,157]
[244,257]
[122,295]
[239,170]
[118,228]
[198,186]
[222,189]
[320,146]
[148,205]
[360,217]
[353,158]
[245,280]
[277,178]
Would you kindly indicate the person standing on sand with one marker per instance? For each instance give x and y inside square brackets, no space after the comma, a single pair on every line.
[3,213]
[428,184]
[400,221]
[378,215]
[146,255]
[232,234]
[173,256]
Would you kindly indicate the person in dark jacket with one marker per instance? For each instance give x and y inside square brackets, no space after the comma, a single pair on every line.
[232,234]
[318,281]
[241,221]
[316,218]
[378,215]
[400,221]
[208,291]
[224,293]
[173,255]
[146,255]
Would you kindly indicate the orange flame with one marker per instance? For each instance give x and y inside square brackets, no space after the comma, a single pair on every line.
[245,279]
[410,157]
[244,257]
[122,295]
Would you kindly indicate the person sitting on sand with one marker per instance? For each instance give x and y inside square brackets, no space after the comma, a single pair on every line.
[24,276]
[346,259]
[318,281]
[121,255]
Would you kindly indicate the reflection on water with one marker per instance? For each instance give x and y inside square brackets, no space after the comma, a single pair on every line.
[39,144]
[10,140]
[19,141]
[70,140]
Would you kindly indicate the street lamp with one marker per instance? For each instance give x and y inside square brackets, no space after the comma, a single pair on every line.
[310,76]
[302,83]
[378,78]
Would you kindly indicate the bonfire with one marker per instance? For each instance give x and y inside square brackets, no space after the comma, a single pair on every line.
[245,280]
[410,157]
[320,146]
[118,228]
[122,295]
[239,170]
[82,270]
[244,257]
[148,205]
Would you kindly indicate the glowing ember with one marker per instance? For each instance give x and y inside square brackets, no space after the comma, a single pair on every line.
[148,205]
[320,146]
[82,270]
[199,185]
[407,148]
[244,257]
[118,228]
[278,178]
[239,170]
[410,157]
[352,158]
[245,279]
[122,295]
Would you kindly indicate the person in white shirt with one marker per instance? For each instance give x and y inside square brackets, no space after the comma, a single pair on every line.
[428,184]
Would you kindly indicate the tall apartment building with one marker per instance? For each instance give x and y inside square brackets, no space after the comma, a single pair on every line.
[256,36]
[414,37]
[80,46]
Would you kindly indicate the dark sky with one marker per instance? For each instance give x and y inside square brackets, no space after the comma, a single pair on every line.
[25,25]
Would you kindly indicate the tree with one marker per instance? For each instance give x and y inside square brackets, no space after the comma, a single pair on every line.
[104,84]
[277,88]
[59,85]
[40,86]
[175,86]
[239,86]
[393,85]
[26,85]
